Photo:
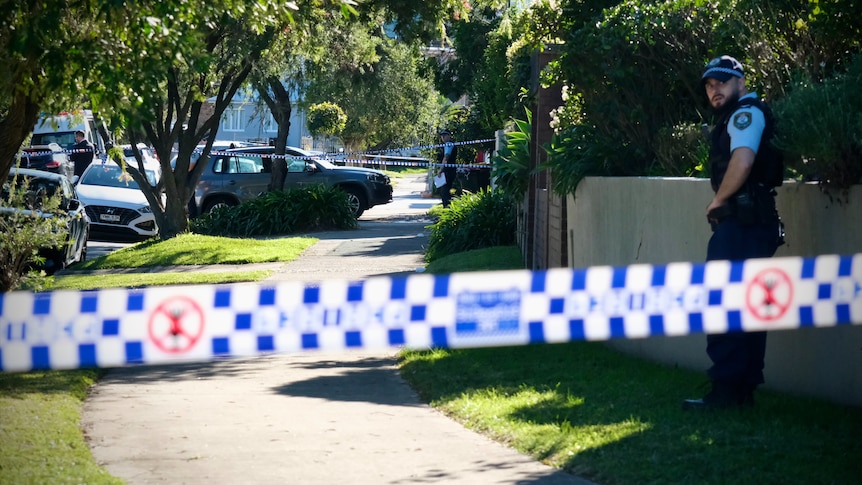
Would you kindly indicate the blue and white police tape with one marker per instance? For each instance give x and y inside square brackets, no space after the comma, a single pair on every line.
[329,155]
[348,161]
[39,153]
[340,155]
[117,327]
[414,148]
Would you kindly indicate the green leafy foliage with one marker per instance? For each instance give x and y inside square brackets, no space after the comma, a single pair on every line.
[633,70]
[414,20]
[470,40]
[511,165]
[636,70]
[23,231]
[463,123]
[503,75]
[820,128]
[326,119]
[473,221]
[492,63]
[388,102]
[312,208]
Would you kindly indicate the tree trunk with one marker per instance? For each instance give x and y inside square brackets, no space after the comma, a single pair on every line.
[18,123]
[100,127]
[175,219]
[277,98]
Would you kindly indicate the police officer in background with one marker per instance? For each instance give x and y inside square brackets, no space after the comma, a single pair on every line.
[84,153]
[446,155]
[744,169]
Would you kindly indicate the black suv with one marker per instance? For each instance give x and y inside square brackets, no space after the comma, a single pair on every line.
[241,174]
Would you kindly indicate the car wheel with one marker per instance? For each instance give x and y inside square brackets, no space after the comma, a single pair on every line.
[55,262]
[216,203]
[356,201]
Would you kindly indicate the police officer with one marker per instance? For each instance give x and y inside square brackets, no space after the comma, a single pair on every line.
[84,152]
[744,169]
[446,155]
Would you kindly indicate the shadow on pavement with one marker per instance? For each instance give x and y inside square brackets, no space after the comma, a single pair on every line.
[360,381]
[372,229]
[335,380]
[385,247]
[217,369]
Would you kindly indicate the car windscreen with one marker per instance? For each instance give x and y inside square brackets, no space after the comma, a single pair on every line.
[65,139]
[112,176]
[146,153]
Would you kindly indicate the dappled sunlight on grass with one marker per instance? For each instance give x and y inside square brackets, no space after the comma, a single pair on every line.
[195,249]
[143,280]
[614,418]
[525,417]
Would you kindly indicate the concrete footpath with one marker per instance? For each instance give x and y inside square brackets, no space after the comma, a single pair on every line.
[310,418]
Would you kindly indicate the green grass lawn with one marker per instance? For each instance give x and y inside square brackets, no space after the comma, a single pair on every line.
[498,258]
[195,249]
[141,280]
[617,419]
[40,438]
[395,172]
[40,412]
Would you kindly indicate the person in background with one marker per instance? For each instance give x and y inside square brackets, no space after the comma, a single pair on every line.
[446,155]
[83,156]
[743,217]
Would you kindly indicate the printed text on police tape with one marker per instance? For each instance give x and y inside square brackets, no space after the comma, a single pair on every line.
[116,327]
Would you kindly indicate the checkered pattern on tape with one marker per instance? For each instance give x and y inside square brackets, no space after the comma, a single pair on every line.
[70,329]
[833,285]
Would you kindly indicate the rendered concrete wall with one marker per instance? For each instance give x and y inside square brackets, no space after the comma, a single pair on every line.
[621,221]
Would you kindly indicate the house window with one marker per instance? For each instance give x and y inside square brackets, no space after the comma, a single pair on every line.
[232,120]
[269,124]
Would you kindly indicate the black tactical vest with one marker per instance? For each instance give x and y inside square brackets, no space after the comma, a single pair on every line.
[768,169]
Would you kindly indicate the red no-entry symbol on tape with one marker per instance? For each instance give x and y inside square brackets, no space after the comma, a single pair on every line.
[769,295]
[176,325]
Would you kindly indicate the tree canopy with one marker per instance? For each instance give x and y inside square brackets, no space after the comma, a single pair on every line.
[151,67]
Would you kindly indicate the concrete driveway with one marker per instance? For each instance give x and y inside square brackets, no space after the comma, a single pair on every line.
[308,418]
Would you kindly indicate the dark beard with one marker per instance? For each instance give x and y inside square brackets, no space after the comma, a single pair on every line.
[727,107]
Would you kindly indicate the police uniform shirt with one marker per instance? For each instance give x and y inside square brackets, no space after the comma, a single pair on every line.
[447,150]
[746,126]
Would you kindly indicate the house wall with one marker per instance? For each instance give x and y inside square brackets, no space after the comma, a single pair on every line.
[625,220]
[255,129]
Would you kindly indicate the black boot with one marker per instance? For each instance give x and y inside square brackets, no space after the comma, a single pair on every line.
[722,396]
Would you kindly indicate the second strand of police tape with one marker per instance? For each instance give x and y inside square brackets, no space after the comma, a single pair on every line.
[117,327]
[378,157]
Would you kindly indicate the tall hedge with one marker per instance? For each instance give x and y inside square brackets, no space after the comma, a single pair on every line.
[634,74]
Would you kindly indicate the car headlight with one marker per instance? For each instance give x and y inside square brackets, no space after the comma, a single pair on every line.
[145,209]
[379,178]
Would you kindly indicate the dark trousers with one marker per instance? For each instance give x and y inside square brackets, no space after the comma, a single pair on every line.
[737,358]
[81,162]
[446,190]
[446,194]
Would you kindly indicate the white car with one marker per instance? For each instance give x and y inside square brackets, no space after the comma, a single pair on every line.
[147,155]
[117,208]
